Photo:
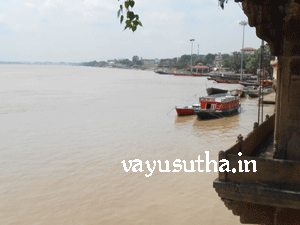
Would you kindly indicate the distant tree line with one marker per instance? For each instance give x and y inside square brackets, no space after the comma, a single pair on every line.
[94,63]
[185,61]
[124,62]
[233,62]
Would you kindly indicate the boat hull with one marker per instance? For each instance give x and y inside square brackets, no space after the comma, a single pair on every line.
[212,114]
[226,81]
[237,92]
[184,112]
[212,91]
[187,110]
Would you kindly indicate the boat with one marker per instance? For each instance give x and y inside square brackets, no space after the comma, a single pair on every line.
[233,77]
[212,91]
[226,81]
[216,106]
[163,72]
[237,92]
[182,74]
[265,83]
[255,93]
[200,75]
[186,110]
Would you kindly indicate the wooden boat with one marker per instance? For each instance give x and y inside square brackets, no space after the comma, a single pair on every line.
[237,92]
[255,93]
[233,77]
[200,75]
[226,81]
[212,91]
[163,72]
[248,83]
[265,83]
[216,106]
[182,74]
[186,110]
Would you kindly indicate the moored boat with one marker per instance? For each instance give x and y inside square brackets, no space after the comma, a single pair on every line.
[182,74]
[255,93]
[226,81]
[237,92]
[264,83]
[233,77]
[212,91]
[200,75]
[163,72]
[216,106]
[186,110]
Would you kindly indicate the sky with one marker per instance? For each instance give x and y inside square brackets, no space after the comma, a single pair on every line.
[88,30]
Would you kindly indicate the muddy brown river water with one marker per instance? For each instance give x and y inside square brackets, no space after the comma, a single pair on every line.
[65,131]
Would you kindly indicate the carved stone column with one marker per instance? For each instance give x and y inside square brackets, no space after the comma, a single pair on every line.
[288,108]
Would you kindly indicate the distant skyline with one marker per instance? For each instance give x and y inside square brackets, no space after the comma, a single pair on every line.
[87,30]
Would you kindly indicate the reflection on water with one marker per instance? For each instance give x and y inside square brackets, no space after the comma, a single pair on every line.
[65,131]
[184,119]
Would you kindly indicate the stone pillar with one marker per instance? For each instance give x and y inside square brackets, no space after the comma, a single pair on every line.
[274,64]
[287,123]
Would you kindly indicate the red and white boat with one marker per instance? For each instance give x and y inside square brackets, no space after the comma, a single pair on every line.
[186,110]
[218,105]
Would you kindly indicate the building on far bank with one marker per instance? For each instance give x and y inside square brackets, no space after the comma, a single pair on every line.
[111,61]
[200,68]
[148,62]
[249,50]
[218,61]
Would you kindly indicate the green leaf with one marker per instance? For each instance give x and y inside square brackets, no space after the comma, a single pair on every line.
[133,28]
[121,8]
[140,23]
[131,15]
[126,4]
[119,13]
[121,19]
[128,23]
[131,3]
[137,17]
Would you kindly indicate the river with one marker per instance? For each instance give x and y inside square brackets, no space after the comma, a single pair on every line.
[65,131]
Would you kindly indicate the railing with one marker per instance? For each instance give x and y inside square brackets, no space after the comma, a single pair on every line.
[272,173]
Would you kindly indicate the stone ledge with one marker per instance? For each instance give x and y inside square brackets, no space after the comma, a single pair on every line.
[257,194]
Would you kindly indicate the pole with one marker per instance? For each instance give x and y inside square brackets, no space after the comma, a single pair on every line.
[220,63]
[192,54]
[259,81]
[243,23]
[262,80]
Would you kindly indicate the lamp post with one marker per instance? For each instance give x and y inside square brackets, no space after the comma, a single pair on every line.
[243,23]
[192,54]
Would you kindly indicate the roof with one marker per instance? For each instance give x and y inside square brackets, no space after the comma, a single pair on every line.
[249,48]
[200,67]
